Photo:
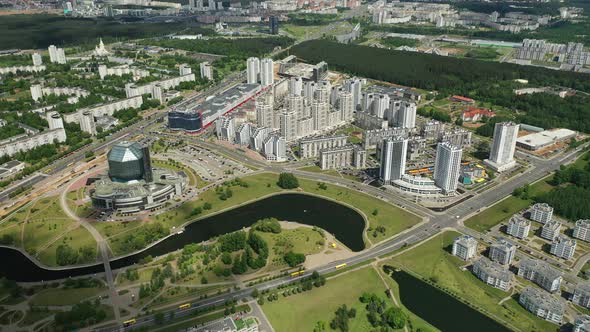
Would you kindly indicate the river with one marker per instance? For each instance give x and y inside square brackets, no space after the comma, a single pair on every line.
[346,224]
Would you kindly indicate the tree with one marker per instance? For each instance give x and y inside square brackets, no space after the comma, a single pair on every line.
[320,326]
[294,259]
[255,293]
[288,181]
[395,318]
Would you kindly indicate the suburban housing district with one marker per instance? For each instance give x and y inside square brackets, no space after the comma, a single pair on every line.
[294,166]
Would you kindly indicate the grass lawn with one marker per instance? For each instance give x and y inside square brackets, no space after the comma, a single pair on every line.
[320,304]
[64,296]
[430,260]
[76,238]
[301,240]
[504,209]
[32,317]
[145,274]
[317,169]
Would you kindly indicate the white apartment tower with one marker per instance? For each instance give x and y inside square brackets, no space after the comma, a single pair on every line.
[37,60]
[541,212]
[406,116]
[345,105]
[309,89]
[355,86]
[447,166]
[54,120]
[265,111]
[225,128]
[393,159]
[518,227]
[550,230]
[296,86]
[563,247]
[185,69]
[56,55]
[52,53]
[36,92]
[252,70]
[294,102]
[464,247]
[87,121]
[582,230]
[288,125]
[266,72]
[319,113]
[503,147]
[206,70]
[502,252]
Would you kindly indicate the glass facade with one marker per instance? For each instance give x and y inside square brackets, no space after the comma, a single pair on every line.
[126,162]
[185,121]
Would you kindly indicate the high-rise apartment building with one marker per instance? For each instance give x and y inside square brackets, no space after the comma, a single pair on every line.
[265,111]
[273,23]
[288,125]
[447,167]
[37,60]
[252,70]
[206,70]
[393,159]
[87,123]
[266,72]
[503,147]
[296,86]
[345,105]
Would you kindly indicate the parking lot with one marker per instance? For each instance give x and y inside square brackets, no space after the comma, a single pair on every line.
[208,165]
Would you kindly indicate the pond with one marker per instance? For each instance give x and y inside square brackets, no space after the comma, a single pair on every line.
[441,310]
[346,224]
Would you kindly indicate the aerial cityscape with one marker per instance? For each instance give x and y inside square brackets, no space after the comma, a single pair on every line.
[282,165]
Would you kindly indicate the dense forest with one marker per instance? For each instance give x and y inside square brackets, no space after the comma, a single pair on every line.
[40,31]
[242,48]
[481,80]
[571,196]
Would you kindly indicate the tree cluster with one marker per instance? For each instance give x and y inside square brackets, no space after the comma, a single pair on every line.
[294,259]
[288,181]
[379,315]
[267,225]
